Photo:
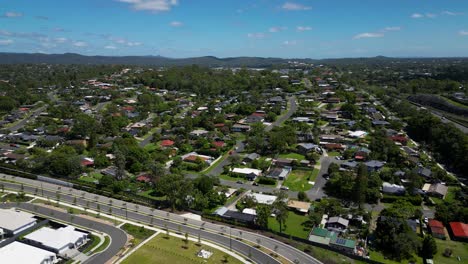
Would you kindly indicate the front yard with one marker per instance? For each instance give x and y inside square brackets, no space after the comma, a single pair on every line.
[298,180]
[292,155]
[293,225]
[459,249]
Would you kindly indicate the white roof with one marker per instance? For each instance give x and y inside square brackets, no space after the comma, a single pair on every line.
[18,252]
[263,198]
[357,134]
[56,238]
[11,219]
[247,171]
[249,211]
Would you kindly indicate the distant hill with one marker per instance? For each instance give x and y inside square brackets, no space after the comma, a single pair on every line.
[208,61]
[72,58]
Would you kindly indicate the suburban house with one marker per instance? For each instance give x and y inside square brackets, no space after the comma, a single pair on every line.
[251,157]
[225,213]
[18,252]
[302,207]
[57,240]
[374,165]
[279,173]
[198,133]
[193,157]
[459,231]
[324,237]
[263,198]
[240,128]
[393,188]
[305,148]
[13,222]
[436,190]
[248,173]
[437,228]
[337,224]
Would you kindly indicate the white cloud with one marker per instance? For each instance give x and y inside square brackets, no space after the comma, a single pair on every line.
[369,35]
[151,5]
[417,15]
[277,29]
[450,13]
[12,14]
[256,35]
[303,28]
[290,43]
[463,32]
[176,24]
[110,47]
[290,6]
[391,29]
[133,44]
[4,42]
[61,40]
[80,44]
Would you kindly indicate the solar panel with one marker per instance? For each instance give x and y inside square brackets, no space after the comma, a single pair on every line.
[340,241]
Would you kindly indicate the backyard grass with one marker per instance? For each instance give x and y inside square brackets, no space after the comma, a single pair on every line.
[451,193]
[151,147]
[377,256]
[139,233]
[292,156]
[459,249]
[92,177]
[334,153]
[298,180]
[293,225]
[173,251]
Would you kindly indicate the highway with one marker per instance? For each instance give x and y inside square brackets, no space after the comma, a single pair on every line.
[118,237]
[219,234]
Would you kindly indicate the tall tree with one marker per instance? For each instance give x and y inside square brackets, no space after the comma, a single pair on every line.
[280,209]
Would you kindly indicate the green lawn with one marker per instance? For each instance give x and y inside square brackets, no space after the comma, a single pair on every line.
[92,177]
[459,249]
[334,153]
[151,147]
[173,251]
[230,178]
[292,156]
[138,233]
[12,198]
[451,193]
[298,180]
[104,245]
[95,241]
[377,256]
[293,226]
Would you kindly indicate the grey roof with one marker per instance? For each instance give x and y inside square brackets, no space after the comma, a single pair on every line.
[252,156]
[375,164]
[339,220]
[221,211]
[308,146]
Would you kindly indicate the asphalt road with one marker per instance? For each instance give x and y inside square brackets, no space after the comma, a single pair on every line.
[216,171]
[23,122]
[291,110]
[118,237]
[161,218]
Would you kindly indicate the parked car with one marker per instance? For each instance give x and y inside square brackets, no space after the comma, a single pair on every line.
[284,188]
[240,182]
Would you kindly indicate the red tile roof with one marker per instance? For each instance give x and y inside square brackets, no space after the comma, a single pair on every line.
[218,144]
[128,108]
[167,143]
[435,223]
[436,227]
[143,178]
[459,229]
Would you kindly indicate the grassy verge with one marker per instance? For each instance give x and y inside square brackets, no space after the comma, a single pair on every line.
[175,251]
[15,198]
[104,245]
[95,241]
[139,233]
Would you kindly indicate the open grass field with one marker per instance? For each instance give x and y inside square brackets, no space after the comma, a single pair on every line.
[173,251]
[138,233]
[459,249]
[292,156]
[298,180]
[293,226]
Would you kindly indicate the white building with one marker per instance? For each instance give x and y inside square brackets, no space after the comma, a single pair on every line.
[392,188]
[263,198]
[14,221]
[58,240]
[18,252]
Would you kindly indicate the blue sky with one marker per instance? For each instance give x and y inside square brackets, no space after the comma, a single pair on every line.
[227,28]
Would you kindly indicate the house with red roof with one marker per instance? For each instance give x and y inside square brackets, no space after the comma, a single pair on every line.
[459,231]
[437,228]
[87,162]
[167,143]
[218,144]
[143,178]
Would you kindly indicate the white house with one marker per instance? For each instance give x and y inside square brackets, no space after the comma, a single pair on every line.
[18,252]
[392,188]
[58,240]
[263,198]
[14,221]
